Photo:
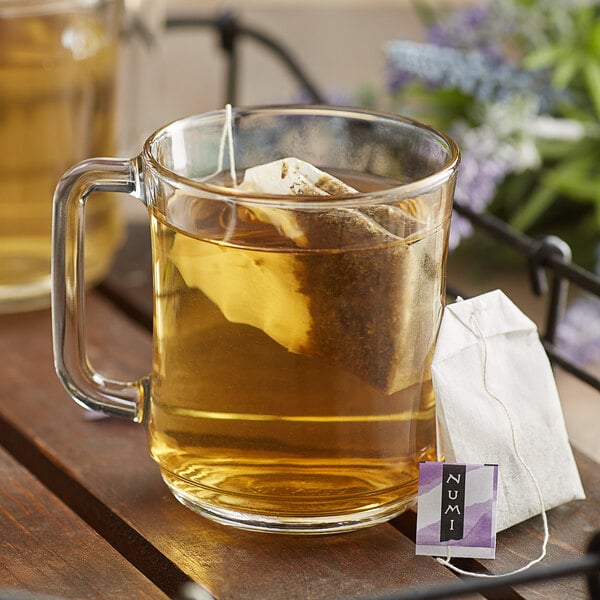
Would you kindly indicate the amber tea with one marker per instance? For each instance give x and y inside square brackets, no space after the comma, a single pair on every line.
[294,382]
[57,79]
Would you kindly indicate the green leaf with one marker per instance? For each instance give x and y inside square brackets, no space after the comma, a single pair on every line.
[556,150]
[583,189]
[425,12]
[566,70]
[575,178]
[597,212]
[592,80]
[537,203]
[594,39]
[511,192]
[545,57]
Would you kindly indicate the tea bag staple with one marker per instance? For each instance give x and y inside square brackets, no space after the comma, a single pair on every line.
[497,402]
[296,304]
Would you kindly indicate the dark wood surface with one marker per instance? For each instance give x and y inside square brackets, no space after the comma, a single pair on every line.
[84,512]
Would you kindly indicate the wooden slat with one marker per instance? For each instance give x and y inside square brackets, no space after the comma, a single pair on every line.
[103,470]
[47,549]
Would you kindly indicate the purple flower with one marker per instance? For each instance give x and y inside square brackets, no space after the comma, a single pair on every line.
[468,70]
[483,167]
[460,228]
[397,77]
[467,29]
[578,334]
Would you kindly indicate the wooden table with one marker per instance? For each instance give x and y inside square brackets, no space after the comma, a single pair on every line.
[84,512]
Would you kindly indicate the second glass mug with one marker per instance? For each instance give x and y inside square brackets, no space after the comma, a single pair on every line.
[58,99]
[290,389]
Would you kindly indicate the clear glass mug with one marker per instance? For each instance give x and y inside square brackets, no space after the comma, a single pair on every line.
[290,389]
[58,72]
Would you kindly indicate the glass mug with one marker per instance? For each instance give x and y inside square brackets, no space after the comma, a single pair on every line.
[290,388]
[57,101]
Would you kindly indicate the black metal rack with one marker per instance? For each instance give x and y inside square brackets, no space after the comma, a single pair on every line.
[548,259]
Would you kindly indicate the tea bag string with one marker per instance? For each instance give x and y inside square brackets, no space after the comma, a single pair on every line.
[226,139]
[446,561]
[228,127]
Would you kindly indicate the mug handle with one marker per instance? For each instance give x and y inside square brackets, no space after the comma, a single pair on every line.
[85,385]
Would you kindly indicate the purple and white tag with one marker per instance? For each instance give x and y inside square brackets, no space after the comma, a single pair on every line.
[456,512]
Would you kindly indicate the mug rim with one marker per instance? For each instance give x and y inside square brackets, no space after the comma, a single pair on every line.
[413,188]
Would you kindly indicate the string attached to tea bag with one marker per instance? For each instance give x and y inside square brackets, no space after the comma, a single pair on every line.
[446,561]
[226,138]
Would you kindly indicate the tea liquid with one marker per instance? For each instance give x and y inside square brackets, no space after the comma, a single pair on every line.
[57,93]
[262,408]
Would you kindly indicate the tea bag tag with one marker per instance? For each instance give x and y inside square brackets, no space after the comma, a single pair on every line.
[457,510]
[497,402]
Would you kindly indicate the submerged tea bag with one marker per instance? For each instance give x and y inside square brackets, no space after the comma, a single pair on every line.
[497,402]
[316,297]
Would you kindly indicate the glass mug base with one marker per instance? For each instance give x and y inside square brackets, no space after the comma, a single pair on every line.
[25,298]
[312,516]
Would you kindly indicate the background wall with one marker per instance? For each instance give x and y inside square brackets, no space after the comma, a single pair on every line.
[341,49]
[338,42]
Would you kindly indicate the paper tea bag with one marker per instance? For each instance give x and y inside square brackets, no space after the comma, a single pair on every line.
[292,177]
[329,304]
[492,381]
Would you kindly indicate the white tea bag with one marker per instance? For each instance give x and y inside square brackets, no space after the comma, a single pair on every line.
[292,177]
[497,403]
[289,177]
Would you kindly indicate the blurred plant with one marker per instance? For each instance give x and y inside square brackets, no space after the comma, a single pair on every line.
[517,84]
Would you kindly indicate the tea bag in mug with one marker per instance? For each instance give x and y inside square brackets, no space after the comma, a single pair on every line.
[297,302]
[497,402]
